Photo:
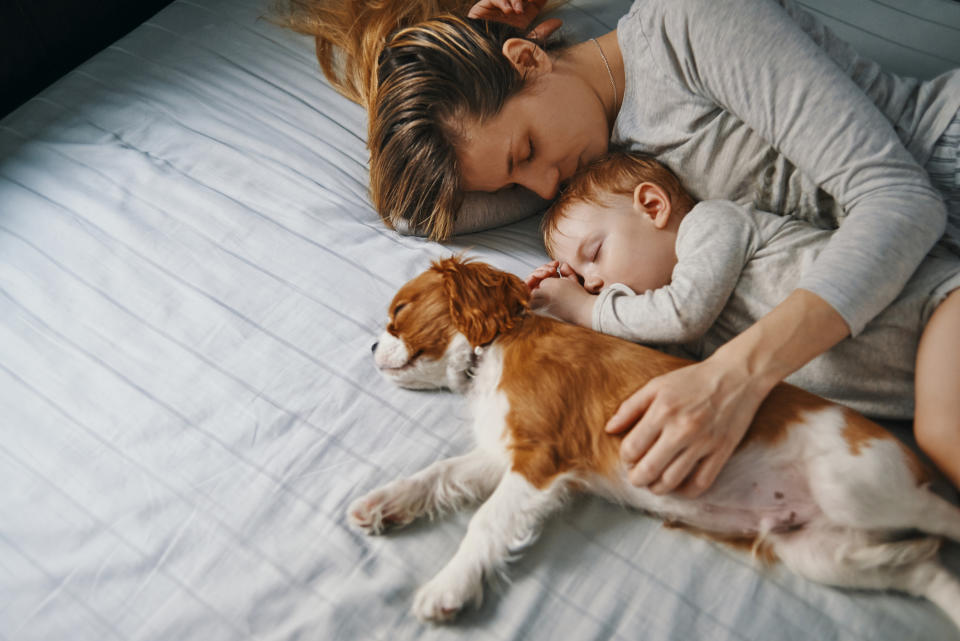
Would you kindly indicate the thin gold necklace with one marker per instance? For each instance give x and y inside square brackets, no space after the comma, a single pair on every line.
[606,64]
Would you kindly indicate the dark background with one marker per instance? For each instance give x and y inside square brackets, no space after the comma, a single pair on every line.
[40,40]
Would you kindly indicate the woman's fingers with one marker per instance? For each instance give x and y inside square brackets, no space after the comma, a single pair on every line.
[486,7]
[701,478]
[661,449]
[630,410]
[652,461]
[677,472]
[543,30]
[519,13]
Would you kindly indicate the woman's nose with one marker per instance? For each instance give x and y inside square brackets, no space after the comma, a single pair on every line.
[542,181]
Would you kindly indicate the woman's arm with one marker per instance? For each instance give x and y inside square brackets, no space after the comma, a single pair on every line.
[686,424]
[752,60]
[755,62]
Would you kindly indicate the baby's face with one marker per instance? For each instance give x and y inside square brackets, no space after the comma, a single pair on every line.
[615,243]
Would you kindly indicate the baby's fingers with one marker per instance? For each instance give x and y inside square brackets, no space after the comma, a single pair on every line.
[540,274]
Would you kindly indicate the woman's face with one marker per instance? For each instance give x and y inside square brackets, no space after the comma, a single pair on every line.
[538,140]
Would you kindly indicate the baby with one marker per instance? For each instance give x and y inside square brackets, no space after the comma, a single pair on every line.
[637,257]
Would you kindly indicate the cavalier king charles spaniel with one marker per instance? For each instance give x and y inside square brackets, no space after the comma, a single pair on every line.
[830,494]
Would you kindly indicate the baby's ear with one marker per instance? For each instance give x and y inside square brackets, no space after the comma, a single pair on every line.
[650,199]
[483,301]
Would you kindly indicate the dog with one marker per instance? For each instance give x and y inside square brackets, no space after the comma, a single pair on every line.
[822,489]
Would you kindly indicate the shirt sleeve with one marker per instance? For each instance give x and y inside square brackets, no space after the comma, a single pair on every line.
[714,242]
[750,58]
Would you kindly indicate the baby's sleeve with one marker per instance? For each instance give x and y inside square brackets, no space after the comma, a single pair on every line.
[714,242]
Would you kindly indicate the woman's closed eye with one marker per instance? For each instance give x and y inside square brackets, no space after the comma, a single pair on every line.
[521,159]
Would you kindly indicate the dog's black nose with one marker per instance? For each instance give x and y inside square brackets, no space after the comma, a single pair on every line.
[373,347]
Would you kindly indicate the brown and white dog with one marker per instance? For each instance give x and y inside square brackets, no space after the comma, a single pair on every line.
[829,493]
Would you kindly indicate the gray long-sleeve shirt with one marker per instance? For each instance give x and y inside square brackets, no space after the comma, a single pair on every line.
[755,101]
[736,263]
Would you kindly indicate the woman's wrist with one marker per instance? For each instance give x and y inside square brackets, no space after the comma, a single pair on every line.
[795,332]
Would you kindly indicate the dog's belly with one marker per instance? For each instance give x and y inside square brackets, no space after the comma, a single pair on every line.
[749,497]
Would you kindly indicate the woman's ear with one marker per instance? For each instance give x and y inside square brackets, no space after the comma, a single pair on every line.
[650,199]
[526,57]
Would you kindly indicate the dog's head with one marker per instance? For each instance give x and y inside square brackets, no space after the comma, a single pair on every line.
[437,320]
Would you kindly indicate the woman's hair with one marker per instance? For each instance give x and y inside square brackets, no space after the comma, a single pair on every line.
[350,34]
[615,173]
[434,69]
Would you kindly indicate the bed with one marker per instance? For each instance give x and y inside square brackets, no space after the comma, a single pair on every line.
[191,276]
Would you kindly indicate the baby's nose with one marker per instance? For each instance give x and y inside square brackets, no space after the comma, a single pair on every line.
[593,284]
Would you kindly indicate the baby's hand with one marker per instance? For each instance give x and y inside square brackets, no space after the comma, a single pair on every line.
[557,291]
[541,273]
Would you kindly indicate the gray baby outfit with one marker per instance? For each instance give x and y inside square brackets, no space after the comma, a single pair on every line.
[736,263]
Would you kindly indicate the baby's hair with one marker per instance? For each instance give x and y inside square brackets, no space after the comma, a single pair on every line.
[617,172]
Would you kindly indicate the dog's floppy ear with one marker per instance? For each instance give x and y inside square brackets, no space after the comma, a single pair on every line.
[483,301]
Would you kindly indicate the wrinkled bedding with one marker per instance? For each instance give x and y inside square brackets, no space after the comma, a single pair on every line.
[191,276]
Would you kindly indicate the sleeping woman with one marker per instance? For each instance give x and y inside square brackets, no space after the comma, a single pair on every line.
[748,100]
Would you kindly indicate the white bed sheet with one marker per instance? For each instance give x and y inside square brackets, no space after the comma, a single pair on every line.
[191,276]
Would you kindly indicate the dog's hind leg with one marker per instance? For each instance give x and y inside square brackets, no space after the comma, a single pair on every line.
[507,522]
[876,487]
[444,486]
[853,558]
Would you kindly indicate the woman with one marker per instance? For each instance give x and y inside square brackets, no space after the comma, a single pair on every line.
[748,100]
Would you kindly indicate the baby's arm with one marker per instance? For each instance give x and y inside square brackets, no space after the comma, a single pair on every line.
[716,240]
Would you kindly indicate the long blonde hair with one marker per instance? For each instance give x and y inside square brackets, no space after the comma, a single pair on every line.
[420,68]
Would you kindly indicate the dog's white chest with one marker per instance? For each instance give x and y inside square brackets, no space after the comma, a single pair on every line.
[488,404]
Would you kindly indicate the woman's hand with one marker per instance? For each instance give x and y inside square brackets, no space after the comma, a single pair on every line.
[519,13]
[685,426]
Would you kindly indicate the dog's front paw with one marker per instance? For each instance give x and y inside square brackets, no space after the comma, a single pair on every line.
[390,506]
[444,596]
